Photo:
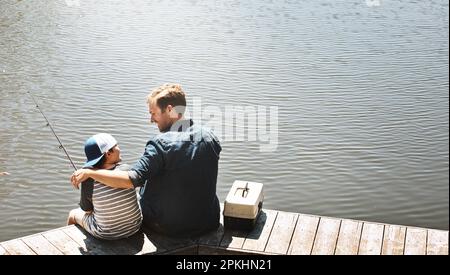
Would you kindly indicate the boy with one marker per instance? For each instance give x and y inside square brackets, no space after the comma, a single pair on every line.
[106,212]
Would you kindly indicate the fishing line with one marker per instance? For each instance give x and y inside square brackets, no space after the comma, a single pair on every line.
[61,146]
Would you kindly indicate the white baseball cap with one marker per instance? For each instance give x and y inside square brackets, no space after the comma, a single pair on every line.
[96,147]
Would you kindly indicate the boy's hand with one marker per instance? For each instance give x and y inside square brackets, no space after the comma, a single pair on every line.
[79,176]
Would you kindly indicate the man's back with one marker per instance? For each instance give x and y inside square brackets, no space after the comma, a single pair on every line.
[179,198]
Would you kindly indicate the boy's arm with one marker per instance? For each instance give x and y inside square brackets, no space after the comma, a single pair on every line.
[114,178]
[87,189]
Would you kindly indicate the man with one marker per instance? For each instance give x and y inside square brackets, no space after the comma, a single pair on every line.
[177,172]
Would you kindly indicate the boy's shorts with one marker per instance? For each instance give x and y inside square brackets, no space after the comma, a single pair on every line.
[80,216]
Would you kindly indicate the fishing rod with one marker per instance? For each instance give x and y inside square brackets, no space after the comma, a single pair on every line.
[61,146]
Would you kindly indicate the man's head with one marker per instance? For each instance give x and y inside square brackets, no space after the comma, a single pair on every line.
[101,151]
[166,105]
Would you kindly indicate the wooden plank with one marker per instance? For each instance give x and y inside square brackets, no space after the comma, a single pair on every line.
[176,244]
[208,250]
[233,239]
[189,250]
[281,235]
[437,243]
[3,251]
[63,243]
[257,239]
[120,247]
[304,235]
[416,241]
[326,236]
[371,239]
[164,244]
[17,247]
[214,238]
[393,240]
[41,245]
[89,245]
[142,245]
[97,246]
[349,236]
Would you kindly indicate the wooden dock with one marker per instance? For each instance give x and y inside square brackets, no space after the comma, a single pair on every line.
[276,232]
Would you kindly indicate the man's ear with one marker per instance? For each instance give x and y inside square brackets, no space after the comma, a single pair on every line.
[172,111]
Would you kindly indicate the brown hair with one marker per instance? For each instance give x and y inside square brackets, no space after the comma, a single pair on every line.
[168,94]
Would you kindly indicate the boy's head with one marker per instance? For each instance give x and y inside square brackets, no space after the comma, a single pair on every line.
[101,150]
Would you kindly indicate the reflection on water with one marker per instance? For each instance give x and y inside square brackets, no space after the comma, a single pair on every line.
[362,92]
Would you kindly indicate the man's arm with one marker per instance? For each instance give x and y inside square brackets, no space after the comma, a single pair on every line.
[114,178]
[150,162]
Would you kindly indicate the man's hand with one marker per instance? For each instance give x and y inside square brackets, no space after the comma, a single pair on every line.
[79,176]
[4,174]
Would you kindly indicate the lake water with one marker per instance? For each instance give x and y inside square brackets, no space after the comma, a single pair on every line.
[361,90]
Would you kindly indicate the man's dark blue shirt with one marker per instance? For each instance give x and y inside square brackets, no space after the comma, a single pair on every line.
[178,176]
